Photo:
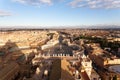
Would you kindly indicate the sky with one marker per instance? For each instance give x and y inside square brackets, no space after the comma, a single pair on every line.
[58,13]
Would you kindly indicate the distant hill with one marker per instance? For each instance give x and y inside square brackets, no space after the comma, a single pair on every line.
[13,28]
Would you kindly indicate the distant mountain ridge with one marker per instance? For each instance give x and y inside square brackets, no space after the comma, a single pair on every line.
[5,28]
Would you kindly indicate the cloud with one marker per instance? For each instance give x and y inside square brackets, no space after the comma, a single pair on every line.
[38,2]
[4,13]
[35,2]
[107,4]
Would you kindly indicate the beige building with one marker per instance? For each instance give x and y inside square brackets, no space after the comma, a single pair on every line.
[104,60]
[87,68]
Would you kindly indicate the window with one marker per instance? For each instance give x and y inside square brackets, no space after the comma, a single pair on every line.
[94,78]
[85,64]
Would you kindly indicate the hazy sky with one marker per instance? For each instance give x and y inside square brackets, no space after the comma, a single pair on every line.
[59,12]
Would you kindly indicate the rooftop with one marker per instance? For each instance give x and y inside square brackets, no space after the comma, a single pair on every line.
[8,70]
[115,68]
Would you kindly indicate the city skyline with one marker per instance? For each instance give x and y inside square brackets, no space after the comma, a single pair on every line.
[59,12]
